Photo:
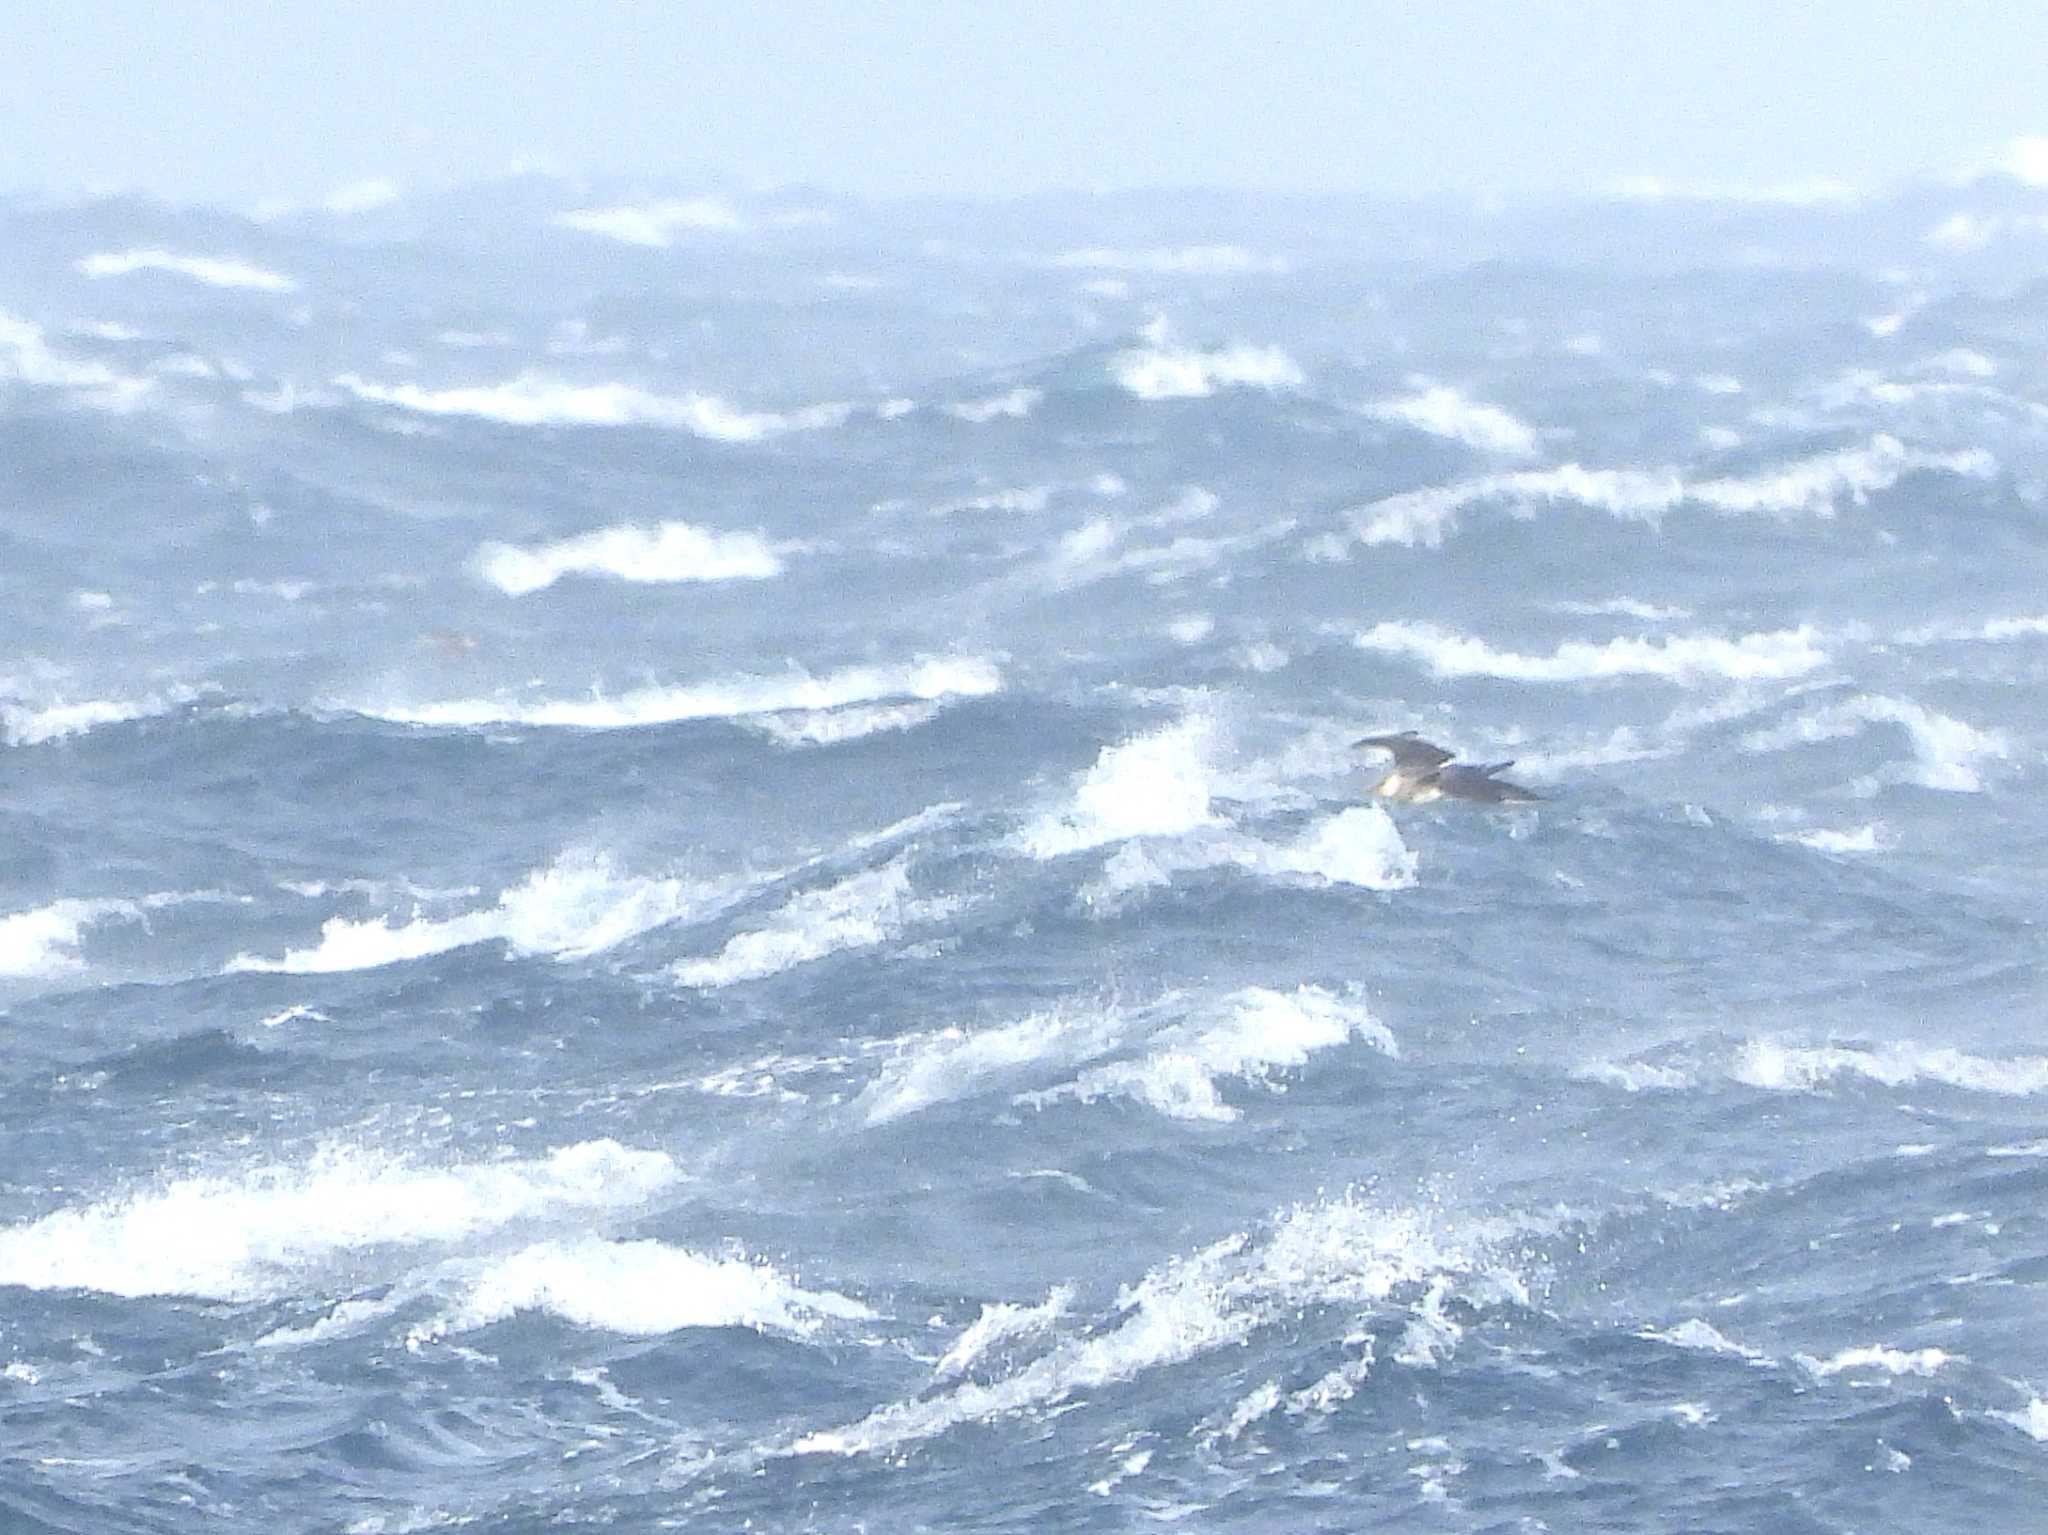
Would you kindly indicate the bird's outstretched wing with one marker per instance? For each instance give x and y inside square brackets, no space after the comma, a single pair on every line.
[1410,752]
[1478,783]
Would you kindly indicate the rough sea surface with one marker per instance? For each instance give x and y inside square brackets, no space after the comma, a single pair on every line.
[692,860]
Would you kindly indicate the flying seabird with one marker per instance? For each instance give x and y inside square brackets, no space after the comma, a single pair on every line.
[1423,771]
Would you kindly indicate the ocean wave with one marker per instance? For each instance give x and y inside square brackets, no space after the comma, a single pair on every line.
[1254,1034]
[248,1236]
[1686,659]
[2031,1420]
[1780,1067]
[1443,412]
[1002,1323]
[949,1064]
[1811,486]
[214,271]
[26,724]
[1891,1361]
[1702,1337]
[1777,1066]
[1155,784]
[534,399]
[26,358]
[654,224]
[578,906]
[1175,261]
[46,940]
[1867,838]
[1948,753]
[1341,1252]
[859,912]
[1358,846]
[830,727]
[1163,372]
[1011,405]
[930,678]
[1993,630]
[642,1288]
[667,552]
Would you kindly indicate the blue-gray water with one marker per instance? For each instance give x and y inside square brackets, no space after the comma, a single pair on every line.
[695,863]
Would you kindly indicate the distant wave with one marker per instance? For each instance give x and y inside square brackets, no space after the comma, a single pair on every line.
[577,906]
[1686,659]
[1948,753]
[858,912]
[536,400]
[964,677]
[1155,784]
[47,940]
[1013,404]
[1811,486]
[1254,1034]
[1444,412]
[32,725]
[214,271]
[830,727]
[1358,846]
[1792,1068]
[1331,1252]
[667,552]
[1163,372]
[1177,261]
[248,1235]
[26,358]
[654,224]
[1993,630]
[639,1288]
[1777,1066]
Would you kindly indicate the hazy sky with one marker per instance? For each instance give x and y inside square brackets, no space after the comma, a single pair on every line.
[259,99]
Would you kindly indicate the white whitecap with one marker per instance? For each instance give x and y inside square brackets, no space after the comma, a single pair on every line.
[665,553]
[1781,1067]
[654,224]
[1686,659]
[830,727]
[1948,754]
[1250,1037]
[643,1289]
[214,271]
[250,1234]
[1442,411]
[537,400]
[1012,404]
[1155,784]
[1164,372]
[858,912]
[1331,1252]
[577,906]
[731,698]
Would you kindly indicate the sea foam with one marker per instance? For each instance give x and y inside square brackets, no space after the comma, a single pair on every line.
[578,906]
[730,698]
[1686,659]
[1253,1035]
[858,912]
[642,1288]
[668,552]
[534,399]
[1342,1252]
[248,1235]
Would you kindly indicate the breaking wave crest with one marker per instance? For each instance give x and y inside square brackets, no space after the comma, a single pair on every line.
[964,677]
[578,906]
[250,1235]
